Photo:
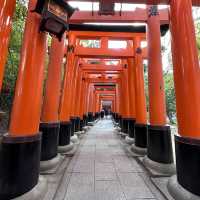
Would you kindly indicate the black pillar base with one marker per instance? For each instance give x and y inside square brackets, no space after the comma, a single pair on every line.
[102,114]
[19,165]
[120,121]
[159,145]
[96,115]
[117,117]
[73,125]
[81,124]
[90,117]
[131,128]
[50,134]
[141,131]
[77,124]
[65,133]
[125,125]
[84,120]
[188,163]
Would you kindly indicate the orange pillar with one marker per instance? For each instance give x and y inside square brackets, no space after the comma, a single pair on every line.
[132,97]
[157,108]
[78,97]
[82,101]
[50,124]
[85,100]
[159,135]
[65,103]
[21,146]
[187,80]
[74,119]
[90,102]
[7,8]
[117,115]
[141,112]
[125,101]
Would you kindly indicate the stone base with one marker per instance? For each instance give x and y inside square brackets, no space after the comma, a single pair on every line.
[131,153]
[74,139]
[178,192]
[129,140]
[86,128]
[159,169]
[37,193]
[78,133]
[139,150]
[50,166]
[123,135]
[65,149]
[90,123]
[119,129]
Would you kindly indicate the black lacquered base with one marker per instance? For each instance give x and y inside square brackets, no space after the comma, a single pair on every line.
[102,114]
[50,134]
[85,120]
[77,124]
[90,117]
[141,135]
[19,165]
[81,124]
[159,145]
[117,117]
[188,163]
[120,121]
[131,128]
[96,115]
[65,133]
[73,125]
[125,125]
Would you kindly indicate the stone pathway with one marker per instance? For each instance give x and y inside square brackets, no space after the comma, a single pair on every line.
[101,170]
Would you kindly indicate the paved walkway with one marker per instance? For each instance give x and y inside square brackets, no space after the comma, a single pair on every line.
[101,170]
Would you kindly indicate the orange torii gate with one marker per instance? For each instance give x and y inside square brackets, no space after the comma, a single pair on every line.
[24,125]
[150,2]
[138,15]
[100,94]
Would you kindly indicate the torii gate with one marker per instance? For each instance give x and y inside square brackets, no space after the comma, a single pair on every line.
[23,131]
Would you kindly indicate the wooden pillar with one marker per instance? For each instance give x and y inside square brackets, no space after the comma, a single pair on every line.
[78,97]
[141,110]
[187,80]
[50,124]
[65,103]
[21,146]
[85,100]
[132,97]
[159,147]
[125,101]
[157,105]
[7,8]
[90,102]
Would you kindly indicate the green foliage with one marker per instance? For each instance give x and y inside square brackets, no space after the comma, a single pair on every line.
[170,97]
[90,43]
[11,68]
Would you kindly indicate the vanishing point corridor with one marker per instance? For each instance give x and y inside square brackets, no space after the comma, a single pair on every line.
[101,169]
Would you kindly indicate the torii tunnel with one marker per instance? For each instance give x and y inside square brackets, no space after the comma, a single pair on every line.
[88,85]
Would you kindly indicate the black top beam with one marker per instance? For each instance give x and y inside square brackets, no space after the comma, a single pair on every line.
[113,28]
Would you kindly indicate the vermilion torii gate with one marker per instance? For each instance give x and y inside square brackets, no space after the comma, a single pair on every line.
[70,103]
